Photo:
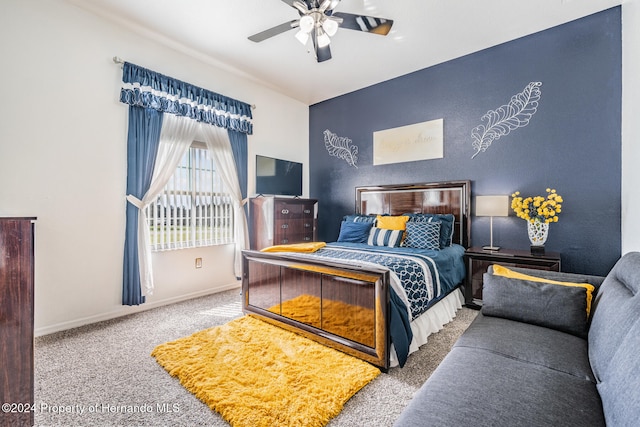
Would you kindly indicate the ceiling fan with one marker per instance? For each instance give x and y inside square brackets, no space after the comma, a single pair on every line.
[318,22]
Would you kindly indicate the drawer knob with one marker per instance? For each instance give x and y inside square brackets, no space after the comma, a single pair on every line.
[285,226]
[307,211]
[285,211]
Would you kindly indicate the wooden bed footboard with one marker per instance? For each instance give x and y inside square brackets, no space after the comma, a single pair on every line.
[344,306]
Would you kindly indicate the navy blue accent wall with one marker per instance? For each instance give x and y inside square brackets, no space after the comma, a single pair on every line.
[572,143]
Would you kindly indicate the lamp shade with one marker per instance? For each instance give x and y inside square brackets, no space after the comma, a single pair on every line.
[330,27]
[302,37]
[492,205]
[307,23]
[322,38]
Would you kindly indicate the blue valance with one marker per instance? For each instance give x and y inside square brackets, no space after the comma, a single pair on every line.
[145,88]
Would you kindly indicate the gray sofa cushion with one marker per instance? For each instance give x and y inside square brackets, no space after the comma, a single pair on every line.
[615,308]
[529,343]
[614,342]
[477,387]
[619,389]
[554,306]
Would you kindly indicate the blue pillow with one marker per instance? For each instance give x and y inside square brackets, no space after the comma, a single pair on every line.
[423,235]
[446,227]
[385,237]
[354,232]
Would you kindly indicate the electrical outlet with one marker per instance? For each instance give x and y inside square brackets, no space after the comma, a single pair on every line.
[198,262]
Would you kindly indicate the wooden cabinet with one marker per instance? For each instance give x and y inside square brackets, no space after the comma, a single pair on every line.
[479,260]
[281,221]
[16,320]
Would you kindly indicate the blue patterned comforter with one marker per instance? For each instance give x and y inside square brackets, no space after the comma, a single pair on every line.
[425,275]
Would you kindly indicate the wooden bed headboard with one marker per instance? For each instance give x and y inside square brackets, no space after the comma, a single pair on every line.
[452,197]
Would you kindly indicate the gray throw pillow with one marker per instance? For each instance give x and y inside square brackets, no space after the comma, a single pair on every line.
[553,306]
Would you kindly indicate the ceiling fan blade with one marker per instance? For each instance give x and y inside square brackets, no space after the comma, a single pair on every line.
[364,23]
[323,54]
[278,29]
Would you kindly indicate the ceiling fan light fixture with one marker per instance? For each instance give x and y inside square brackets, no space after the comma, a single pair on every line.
[330,27]
[307,24]
[302,37]
[320,23]
[323,38]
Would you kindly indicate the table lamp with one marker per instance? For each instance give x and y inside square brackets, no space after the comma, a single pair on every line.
[492,206]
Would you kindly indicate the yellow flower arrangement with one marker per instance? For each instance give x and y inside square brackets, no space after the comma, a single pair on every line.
[538,208]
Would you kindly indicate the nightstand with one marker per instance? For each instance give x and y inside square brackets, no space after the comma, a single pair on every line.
[478,260]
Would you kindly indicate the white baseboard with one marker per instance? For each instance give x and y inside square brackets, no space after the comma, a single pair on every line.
[126,310]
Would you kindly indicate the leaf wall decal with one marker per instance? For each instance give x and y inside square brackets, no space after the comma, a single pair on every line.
[341,147]
[503,120]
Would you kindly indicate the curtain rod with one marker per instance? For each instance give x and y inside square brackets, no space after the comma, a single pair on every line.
[118,60]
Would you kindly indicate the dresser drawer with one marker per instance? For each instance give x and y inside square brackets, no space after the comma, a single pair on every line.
[285,210]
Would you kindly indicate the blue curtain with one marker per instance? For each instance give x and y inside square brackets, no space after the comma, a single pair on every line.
[149,95]
[145,88]
[142,147]
[239,149]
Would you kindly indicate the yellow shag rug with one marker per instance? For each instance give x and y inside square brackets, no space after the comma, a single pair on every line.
[257,374]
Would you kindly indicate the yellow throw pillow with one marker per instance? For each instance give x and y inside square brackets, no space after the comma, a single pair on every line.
[499,270]
[392,222]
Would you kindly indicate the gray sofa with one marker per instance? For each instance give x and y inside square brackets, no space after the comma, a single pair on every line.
[531,359]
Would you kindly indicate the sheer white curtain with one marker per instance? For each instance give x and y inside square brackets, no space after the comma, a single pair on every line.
[176,136]
[218,144]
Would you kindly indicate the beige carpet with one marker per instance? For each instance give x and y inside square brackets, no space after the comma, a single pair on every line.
[108,363]
[256,374]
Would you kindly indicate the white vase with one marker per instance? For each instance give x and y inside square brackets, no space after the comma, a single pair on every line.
[538,232]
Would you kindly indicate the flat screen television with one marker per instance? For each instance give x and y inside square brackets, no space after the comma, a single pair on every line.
[278,177]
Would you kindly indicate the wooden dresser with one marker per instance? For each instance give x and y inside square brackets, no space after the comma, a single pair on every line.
[281,221]
[16,320]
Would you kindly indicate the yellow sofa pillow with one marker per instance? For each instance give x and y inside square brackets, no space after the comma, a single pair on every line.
[392,222]
[499,270]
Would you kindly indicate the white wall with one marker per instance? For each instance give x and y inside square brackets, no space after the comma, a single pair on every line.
[63,156]
[630,126]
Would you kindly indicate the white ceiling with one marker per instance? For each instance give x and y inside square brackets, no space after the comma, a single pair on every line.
[425,33]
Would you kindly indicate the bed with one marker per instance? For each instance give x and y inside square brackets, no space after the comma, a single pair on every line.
[377,299]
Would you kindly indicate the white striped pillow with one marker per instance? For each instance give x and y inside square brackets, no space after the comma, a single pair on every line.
[385,237]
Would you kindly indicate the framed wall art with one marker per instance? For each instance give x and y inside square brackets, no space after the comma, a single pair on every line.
[420,141]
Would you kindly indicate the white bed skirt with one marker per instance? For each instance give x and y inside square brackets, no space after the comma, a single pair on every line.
[433,320]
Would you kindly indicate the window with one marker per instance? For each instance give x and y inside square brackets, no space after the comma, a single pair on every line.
[194,208]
